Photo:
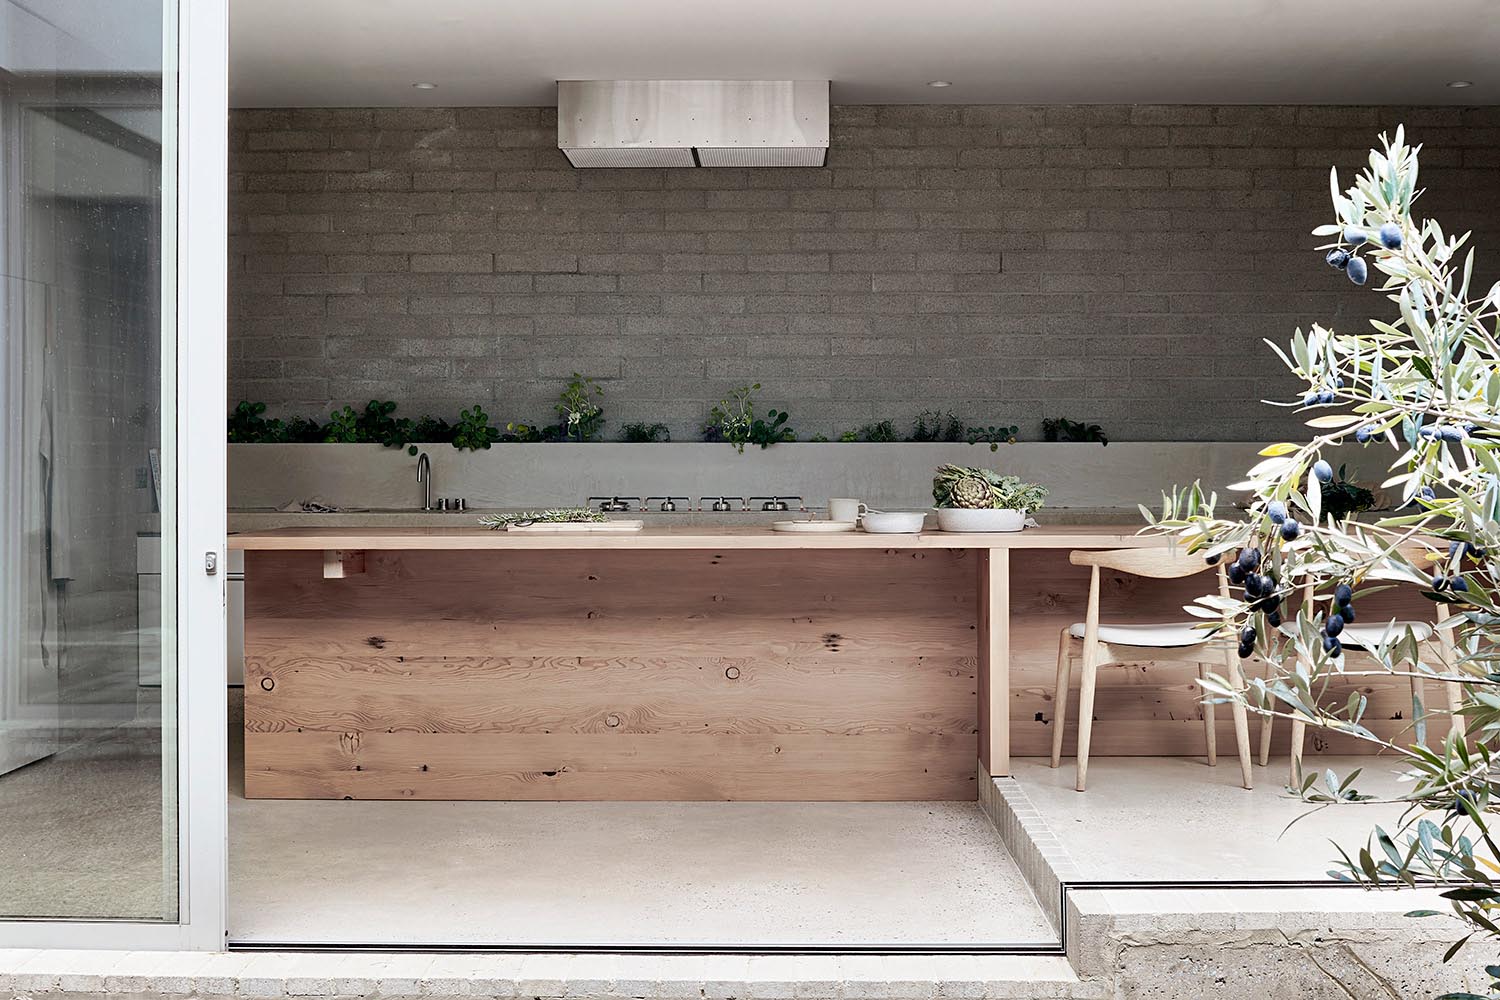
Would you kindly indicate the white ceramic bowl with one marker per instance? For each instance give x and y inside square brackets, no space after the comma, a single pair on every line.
[893,522]
[965,519]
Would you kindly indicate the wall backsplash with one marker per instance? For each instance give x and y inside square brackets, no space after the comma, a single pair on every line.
[1113,264]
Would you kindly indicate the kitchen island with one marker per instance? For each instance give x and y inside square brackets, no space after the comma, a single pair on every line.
[677,662]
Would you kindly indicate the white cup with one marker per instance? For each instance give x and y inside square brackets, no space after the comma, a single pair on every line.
[845,509]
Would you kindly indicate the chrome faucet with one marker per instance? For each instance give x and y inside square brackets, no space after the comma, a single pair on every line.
[424,476]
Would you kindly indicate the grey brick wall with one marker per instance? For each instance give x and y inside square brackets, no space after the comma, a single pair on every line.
[1110,263]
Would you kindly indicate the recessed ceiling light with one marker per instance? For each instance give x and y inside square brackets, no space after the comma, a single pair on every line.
[940,83]
[1461,84]
[425,86]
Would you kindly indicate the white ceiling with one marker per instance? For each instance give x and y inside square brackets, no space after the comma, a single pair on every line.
[509,52]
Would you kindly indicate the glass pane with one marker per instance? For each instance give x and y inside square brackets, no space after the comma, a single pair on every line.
[87,680]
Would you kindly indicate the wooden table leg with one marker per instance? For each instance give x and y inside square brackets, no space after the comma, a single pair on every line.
[994,661]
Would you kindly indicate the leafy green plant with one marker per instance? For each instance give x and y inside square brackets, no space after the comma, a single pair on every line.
[375,424]
[580,417]
[473,431]
[971,487]
[733,420]
[937,425]
[818,439]
[994,436]
[880,431]
[342,427]
[643,433]
[1423,388]
[248,426]
[523,433]
[849,437]
[1062,429]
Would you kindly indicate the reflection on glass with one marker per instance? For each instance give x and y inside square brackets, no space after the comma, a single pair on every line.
[87,683]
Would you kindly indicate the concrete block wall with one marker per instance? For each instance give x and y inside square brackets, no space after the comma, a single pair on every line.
[1117,264]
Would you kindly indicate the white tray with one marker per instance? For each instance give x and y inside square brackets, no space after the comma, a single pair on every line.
[576,527]
[813,527]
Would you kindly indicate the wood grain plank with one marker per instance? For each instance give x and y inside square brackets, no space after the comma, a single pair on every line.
[626,767]
[720,695]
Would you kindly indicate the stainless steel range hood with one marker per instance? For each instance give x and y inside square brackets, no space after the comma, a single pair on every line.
[690,123]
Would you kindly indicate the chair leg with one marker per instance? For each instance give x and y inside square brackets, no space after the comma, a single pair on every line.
[1267,726]
[1086,711]
[1210,736]
[1060,696]
[1241,720]
[1419,713]
[1455,697]
[1299,736]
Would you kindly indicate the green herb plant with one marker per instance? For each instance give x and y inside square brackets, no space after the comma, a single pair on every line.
[881,431]
[557,515]
[473,431]
[580,417]
[993,436]
[937,425]
[733,420]
[1062,429]
[643,433]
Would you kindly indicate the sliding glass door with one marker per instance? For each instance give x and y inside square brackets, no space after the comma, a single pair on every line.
[97,668]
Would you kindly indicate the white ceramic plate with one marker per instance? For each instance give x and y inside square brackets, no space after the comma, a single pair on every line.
[963,519]
[893,522]
[813,527]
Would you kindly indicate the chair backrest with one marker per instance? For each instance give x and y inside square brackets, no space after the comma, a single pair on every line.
[1163,563]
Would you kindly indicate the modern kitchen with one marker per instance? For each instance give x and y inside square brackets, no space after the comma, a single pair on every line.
[674,496]
[658,413]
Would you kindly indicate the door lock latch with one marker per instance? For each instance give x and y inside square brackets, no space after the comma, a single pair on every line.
[211,563]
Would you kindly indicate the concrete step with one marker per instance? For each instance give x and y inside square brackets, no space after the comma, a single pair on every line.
[57,973]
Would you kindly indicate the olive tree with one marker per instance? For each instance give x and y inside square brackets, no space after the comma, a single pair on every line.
[1420,388]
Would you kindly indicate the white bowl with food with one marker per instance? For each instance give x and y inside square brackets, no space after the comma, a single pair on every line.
[893,522]
[979,519]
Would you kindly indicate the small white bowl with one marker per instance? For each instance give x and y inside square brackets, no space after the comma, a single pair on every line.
[979,519]
[893,522]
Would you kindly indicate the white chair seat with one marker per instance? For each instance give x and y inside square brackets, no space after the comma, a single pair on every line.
[1164,636]
[1369,636]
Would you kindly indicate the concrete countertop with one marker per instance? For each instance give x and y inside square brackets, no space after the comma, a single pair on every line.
[462,537]
[261,519]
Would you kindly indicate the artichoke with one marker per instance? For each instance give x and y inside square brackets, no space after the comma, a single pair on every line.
[972,492]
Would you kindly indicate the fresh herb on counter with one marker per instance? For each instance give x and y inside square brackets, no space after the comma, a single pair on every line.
[557,515]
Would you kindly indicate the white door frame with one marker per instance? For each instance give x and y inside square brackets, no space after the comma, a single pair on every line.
[195,200]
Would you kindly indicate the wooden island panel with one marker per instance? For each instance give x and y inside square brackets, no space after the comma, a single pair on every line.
[616,674]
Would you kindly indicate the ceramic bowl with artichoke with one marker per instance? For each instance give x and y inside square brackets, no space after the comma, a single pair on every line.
[969,488]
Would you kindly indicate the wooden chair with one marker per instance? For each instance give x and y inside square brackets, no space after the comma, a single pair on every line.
[1099,644]
[1357,640]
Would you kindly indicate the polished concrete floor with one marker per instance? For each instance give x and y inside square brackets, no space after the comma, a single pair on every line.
[616,873]
[1172,819]
[611,873]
